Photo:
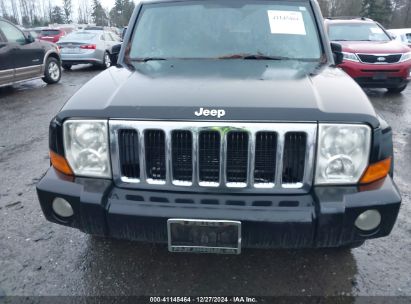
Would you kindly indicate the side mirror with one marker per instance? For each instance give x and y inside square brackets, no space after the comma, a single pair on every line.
[393,36]
[336,48]
[115,50]
[29,37]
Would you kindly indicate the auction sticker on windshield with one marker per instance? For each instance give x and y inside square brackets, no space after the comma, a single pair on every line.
[286,22]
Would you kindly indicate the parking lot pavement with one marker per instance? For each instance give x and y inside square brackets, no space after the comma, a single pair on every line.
[41,258]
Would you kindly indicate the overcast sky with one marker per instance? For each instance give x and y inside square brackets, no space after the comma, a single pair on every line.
[107,3]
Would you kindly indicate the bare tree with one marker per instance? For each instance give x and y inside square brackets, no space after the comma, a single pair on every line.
[3,8]
[67,10]
[14,9]
[45,10]
[324,5]
[83,11]
[407,21]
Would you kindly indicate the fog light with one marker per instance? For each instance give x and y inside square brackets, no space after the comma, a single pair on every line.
[62,207]
[368,220]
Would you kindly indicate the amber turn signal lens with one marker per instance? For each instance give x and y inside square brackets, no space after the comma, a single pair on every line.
[376,171]
[60,163]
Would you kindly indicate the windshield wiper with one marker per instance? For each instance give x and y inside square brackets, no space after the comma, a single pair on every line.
[264,57]
[145,59]
[254,57]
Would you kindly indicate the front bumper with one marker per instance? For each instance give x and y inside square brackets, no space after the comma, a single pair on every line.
[323,218]
[378,75]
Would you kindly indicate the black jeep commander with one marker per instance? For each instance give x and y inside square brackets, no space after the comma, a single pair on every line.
[225,125]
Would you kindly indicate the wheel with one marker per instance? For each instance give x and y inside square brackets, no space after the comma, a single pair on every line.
[66,66]
[52,71]
[397,90]
[106,61]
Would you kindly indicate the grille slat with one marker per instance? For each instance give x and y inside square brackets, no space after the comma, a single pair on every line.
[237,157]
[294,157]
[155,154]
[209,156]
[255,157]
[129,158]
[265,158]
[182,156]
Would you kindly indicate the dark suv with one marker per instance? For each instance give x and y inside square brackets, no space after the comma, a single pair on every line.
[224,125]
[371,56]
[24,58]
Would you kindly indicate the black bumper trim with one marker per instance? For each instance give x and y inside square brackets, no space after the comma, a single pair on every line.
[389,83]
[323,218]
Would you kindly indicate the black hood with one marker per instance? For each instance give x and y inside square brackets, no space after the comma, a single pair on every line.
[247,90]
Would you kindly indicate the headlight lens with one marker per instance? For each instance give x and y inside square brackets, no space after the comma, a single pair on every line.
[343,153]
[405,57]
[86,147]
[350,57]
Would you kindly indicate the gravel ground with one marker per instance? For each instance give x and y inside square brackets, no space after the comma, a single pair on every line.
[41,258]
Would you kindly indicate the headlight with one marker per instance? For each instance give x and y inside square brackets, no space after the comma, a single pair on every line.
[343,153]
[405,57]
[350,57]
[86,147]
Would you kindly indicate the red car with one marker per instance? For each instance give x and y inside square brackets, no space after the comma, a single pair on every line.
[371,56]
[51,35]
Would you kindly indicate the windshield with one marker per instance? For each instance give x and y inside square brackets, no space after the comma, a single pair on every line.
[357,32]
[80,36]
[209,29]
[50,32]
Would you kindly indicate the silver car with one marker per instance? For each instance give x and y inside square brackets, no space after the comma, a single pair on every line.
[95,47]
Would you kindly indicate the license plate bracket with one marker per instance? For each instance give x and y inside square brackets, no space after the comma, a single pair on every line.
[380,76]
[204,236]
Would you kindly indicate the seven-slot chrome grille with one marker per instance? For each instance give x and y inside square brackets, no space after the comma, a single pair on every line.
[210,156]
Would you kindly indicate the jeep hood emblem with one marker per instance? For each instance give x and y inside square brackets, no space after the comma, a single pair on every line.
[210,112]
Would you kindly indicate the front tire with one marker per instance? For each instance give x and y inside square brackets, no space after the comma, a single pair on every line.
[106,61]
[52,71]
[397,90]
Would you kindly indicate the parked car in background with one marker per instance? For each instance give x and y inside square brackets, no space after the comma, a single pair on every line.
[95,47]
[52,35]
[36,30]
[24,58]
[115,30]
[402,35]
[371,56]
[94,28]
[33,34]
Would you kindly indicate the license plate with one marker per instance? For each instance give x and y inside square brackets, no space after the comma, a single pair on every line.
[204,236]
[380,76]
[70,50]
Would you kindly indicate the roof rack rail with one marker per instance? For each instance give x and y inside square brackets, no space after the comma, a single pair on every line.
[348,18]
